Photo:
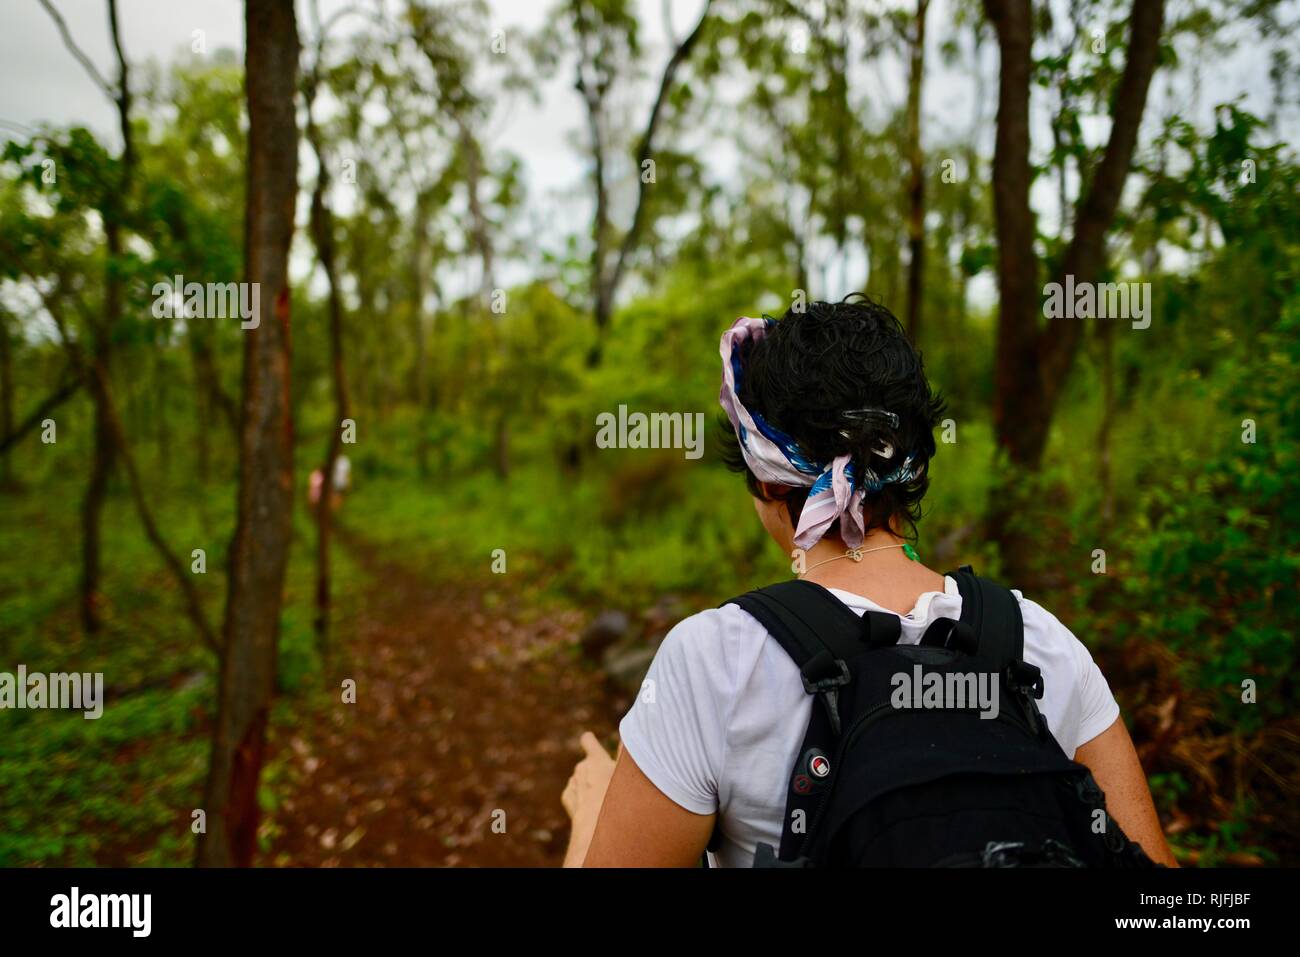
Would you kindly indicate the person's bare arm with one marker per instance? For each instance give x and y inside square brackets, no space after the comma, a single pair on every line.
[584,794]
[1114,764]
[639,826]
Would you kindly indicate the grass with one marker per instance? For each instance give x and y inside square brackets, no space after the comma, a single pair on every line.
[121,789]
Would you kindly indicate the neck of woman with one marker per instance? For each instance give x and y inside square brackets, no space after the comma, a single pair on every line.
[885,574]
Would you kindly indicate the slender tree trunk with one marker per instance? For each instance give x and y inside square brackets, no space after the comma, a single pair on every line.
[482,234]
[164,433]
[203,418]
[1018,420]
[606,278]
[1033,363]
[420,366]
[260,547]
[92,507]
[102,454]
[916,185]
[601,292]
[800,263]
[184,580]
[322,230]
[1106,333]
[209,383]
[103,457]
[890,267]
[95,376]
[324,518]
[6,396]
[501,446]
[1018,283]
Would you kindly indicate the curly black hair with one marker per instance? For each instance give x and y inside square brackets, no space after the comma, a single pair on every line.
[815,365]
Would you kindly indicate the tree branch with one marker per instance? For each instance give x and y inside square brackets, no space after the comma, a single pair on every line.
[94,374]
[593,95]
[76,51]
[1085,255]
[680,54]
[123,97]
[71,385]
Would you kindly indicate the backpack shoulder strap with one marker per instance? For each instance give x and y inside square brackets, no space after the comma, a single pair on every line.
[824,638]
[819,633]
[805,617]
[993,613]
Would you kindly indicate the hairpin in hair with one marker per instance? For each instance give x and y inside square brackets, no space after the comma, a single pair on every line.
[885,450]
[868,415]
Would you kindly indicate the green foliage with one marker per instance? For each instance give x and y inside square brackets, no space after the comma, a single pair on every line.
[1217,538]
[477,425]
[73,790]
[299,659]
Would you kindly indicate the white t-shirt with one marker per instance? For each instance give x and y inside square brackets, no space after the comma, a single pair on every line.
[722,729]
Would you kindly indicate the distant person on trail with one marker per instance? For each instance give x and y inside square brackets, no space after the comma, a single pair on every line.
[872,711]
[341,482]
[315,483]
[342,475]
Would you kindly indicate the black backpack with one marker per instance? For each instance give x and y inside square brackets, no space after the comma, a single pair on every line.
[880,782]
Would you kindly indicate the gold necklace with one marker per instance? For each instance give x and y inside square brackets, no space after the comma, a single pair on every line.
[854,553]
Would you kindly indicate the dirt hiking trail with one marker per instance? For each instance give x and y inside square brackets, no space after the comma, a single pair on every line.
[462,737]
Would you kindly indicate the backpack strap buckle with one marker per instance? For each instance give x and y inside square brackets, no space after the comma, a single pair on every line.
[765,856]
[824,676]
[1024,678]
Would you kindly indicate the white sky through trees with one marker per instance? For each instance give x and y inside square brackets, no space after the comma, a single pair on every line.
[40,82]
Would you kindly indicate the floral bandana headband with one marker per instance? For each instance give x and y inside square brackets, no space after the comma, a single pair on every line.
[773,456]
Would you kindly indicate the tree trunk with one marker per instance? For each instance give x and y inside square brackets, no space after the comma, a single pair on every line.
[481,230]
[1018,284]
[92,508]
[102,455]
[6,396]
[501,446]
[322,231]
[260,547]
[208,380]
[420,362]
[481,237]
[1085,257]
[122,450]
[203,419]
[1106,334]
[161,420]
[1033,363]
[605,279]
[916,185]
[101,466]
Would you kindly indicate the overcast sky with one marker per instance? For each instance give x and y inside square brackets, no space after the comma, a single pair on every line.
[41,82]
